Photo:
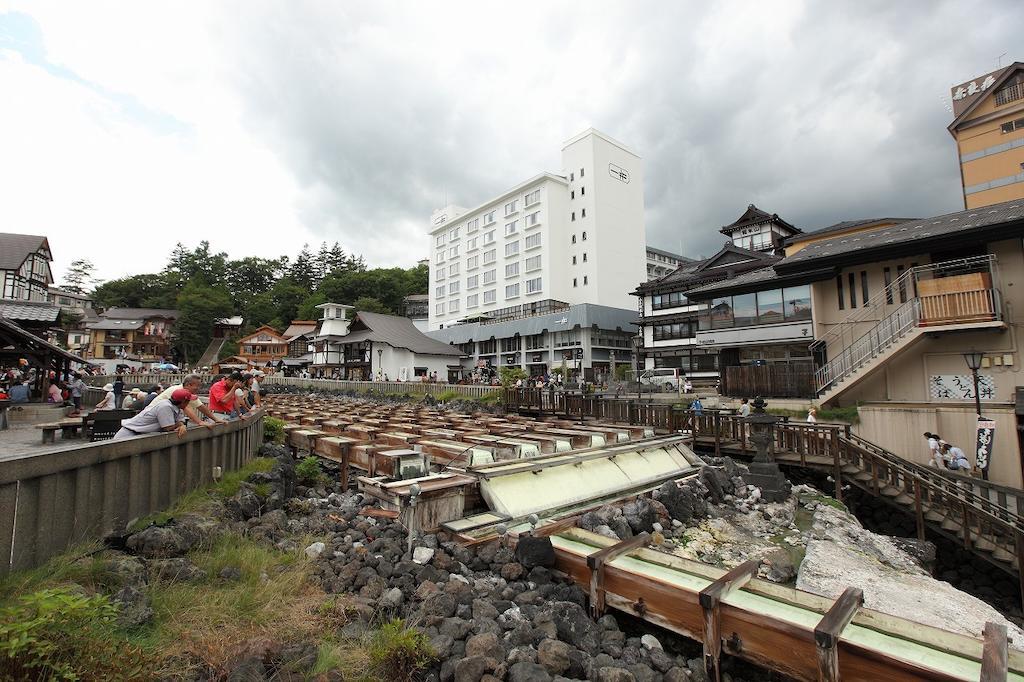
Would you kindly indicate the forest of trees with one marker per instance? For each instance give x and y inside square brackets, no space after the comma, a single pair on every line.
[205,286]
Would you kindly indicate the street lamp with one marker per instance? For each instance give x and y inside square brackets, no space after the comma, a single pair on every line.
[638,344]
[973,359]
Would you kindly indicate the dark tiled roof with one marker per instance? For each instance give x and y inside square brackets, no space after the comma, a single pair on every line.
[135,313]
[753,216]
[113,325]
[929,232]
[15,248]
[752,277]
[28,310]
[681,259]
[846,225]
[398,332]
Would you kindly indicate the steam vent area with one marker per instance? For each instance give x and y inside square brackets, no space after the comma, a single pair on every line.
[686,565]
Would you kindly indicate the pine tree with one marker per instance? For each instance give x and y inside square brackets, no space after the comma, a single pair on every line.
[302,270]
[79,277]
[320,264]
[335,259]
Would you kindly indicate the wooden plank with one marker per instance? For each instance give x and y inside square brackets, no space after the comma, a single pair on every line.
[710,599]
[830,627]
[596,562]
[994,654]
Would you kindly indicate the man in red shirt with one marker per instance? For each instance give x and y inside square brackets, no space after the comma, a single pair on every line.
[222,395]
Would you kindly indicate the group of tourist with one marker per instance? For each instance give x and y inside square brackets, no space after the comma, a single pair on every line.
[945,455]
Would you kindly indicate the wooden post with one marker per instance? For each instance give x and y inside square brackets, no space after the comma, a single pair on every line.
[718,436]
[710,598]
[837,466]
[1020,564]
[994,654]
[830,627]
[966,528]
[918,510]
[596,562]
[344,467]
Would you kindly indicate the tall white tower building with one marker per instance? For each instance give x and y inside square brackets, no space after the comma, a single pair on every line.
[574,237]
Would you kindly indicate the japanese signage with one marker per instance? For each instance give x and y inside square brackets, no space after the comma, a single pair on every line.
[960,387]
[972,88]
[983,444]
[618,172]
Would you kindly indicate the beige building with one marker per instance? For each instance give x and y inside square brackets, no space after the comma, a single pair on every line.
[989,131]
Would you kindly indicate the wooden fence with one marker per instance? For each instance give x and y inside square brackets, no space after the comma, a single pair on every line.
[53,500]
[415,387]
[770,381]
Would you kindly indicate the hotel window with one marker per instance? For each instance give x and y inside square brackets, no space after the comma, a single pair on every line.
[887,275]
[510,228]
[453,269]
[488,237]
[581,172]
[512,291]
[574,281]
[489,296]
[473,262]
[453,287]
[853,291]
[439,291]
[512,269]
[584,256]
[489,217]
[533,241]
[439,256]
[531,198]
[1007,127]
[471,300]
[439,273]
[490,276]
[574,239]
[471,244]
[584,280]
[574,217]
[574,260]
[572,194]
[512,248]
[584,238]
[570,177]
[839,292]
[489,256]
[472,282]
[454,234]
[453,306]
[511,207]
[903,284]
[583,213]
[533,263]
[453,252]
[864,287]
[439,241]
[473,225]
[490,346]
[533,285]
[583,190]
[533,219]
[439,309]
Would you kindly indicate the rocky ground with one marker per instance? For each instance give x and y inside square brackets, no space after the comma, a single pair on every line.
[490,615]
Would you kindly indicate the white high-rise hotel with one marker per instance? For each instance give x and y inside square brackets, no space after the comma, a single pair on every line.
[577,237]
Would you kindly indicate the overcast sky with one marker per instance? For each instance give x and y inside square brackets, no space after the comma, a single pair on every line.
[127,127]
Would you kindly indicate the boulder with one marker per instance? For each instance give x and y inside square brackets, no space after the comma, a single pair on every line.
[525,671]
[245,504]
[134,609]
[158,542]
[486,645]
[177,569]
[315,550]
[473,668]
[535,551]
[574,626]
[611,674]
[554,656]
[422,555]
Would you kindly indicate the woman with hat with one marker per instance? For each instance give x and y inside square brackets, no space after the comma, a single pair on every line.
[108,400]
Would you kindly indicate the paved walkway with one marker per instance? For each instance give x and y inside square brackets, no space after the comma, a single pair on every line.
[25,439]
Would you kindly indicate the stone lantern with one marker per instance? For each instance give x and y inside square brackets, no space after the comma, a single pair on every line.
[764,472]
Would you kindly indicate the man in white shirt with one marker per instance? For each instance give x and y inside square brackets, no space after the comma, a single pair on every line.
[191,384]
[164,415]
[934,450]
[744,408]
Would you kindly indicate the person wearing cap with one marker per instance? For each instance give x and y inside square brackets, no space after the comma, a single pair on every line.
[108,400]
[165,415]
[223,400]
[135,400]
[195,407]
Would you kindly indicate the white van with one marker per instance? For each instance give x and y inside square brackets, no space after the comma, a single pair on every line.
[662,379]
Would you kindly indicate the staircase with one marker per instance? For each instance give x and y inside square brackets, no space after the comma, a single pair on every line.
[209,355]
[943,502]
[951,296]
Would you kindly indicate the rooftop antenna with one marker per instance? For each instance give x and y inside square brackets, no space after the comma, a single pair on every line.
[999,61]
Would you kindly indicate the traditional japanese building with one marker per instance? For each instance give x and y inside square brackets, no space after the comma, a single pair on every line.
[132,337]
[264,347]
[25,279]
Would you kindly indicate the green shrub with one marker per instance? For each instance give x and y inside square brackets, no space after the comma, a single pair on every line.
[398,652]
[448,395]
[491,398]
[273,429]
[510,375]
[621,372]
[58,634]
[308,472]
[232,480]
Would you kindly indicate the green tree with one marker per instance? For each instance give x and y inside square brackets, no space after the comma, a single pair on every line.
[248,277]
[336,259]
[308,311]
[79,277]
[199,305]
[303,271]
[184,266]
[369,304]
[136,291]
[287,296]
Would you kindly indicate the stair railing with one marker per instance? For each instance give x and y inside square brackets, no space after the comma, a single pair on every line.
[889,330]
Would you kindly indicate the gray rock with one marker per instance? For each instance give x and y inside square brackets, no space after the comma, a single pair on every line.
[134,609]
[245,504]
[535,551]
[527,672]
[157,542]
[315,550]
[473,668]
[485,646]
[178,569]
[422,555]
[677,674]
[575,627]
[230,573]
[392,599]
[610,674]
[650,642]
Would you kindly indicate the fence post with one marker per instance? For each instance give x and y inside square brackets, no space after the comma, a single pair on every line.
[837,467]
[718,434]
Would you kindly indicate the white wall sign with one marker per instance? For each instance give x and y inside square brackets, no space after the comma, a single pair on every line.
[960,387]
[618,172]
[973,88]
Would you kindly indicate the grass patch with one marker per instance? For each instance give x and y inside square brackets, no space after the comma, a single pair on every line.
[273,429]
[232,480]
[78,565]
[448,395]
[398,652]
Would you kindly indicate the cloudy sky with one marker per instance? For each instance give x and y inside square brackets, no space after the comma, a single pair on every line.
[126,127]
